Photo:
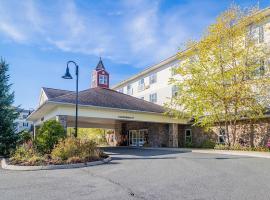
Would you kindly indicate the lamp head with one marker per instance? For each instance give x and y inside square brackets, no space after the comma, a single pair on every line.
[67,74]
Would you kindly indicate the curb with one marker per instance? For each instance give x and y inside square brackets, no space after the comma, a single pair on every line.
[52,167]
[182,150]
[254,154]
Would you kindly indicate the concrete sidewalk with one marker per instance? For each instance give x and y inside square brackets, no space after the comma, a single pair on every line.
[213,151]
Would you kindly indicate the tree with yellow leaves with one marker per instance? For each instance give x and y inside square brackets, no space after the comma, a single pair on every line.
[223,78]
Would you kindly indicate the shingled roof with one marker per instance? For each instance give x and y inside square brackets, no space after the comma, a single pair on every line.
[102,97]
[100,65]
[52,93]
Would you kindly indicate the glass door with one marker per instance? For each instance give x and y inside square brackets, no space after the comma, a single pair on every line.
[137,138]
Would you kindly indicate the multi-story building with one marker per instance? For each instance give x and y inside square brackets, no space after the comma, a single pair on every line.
[152,84]
[21,122]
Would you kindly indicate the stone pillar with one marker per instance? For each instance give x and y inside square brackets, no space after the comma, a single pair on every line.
[34,131]
[63,121]
[117,134]
[173,135]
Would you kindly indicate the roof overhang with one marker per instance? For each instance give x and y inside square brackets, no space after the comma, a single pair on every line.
[49,110]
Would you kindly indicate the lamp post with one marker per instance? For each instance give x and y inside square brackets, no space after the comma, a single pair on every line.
[68,76]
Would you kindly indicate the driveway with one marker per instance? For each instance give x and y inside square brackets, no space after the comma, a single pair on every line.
[146,174]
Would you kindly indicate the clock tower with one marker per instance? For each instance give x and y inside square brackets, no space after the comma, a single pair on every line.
[100,77]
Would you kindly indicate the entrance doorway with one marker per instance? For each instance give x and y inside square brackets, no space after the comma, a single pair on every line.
[137,138]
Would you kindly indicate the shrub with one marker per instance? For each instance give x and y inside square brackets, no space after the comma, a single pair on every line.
[26,155]
[66,148]
[238,147]
[24,137]
[208,144]
[74,150]
[189,145]
[48,136]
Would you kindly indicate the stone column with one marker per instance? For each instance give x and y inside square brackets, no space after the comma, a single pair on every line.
[173,135]
[63,121]
[34,131]
[117,134]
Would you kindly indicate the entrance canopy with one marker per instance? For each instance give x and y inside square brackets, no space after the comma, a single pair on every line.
[98,106]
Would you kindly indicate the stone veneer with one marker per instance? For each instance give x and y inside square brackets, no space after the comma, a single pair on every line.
[250,134]
[158,133]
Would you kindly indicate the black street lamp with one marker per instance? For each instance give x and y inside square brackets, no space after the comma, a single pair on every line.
[68,76]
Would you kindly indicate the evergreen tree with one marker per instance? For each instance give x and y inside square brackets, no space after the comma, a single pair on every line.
[8,113]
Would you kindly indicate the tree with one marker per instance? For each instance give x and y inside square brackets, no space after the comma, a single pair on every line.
[223,76]
[48,135]
[8,113]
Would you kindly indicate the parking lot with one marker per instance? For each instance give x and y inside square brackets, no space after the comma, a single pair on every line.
[146,174]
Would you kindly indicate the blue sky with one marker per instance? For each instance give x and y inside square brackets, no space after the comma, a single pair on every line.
[37,38]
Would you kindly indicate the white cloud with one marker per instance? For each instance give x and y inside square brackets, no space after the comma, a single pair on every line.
[12,32]
[136,31]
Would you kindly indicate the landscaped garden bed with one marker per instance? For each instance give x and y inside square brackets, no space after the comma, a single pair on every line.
[53,147]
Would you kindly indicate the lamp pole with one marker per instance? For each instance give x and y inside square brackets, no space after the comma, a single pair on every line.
[68,76]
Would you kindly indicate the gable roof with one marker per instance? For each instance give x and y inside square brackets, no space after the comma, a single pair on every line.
[52,93]
[107,98]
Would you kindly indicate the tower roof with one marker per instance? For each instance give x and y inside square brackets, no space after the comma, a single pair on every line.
[100,65]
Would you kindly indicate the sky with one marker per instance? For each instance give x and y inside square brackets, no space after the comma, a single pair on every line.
[37,38]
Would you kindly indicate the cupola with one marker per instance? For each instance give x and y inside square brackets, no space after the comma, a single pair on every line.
[100,77]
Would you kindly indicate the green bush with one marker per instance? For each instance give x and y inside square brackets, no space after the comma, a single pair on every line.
[26,155]
[74,150]
[48,136]
[189,145]
[238,147]
[24,137]
[208,144]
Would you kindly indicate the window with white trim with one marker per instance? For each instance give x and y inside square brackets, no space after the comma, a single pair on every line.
[188,136]
[260,71]
[153,78]
[141,84]
[153,97]
[261,34]
[174,91]
[129,90]
[103,79]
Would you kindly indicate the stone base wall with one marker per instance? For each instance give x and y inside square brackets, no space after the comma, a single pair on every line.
[157,132]
[249,134]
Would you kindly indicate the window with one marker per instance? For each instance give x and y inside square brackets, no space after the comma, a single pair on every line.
[25,124]
[173,70]
[221,136]
[256,33]
[261,34]
[153,78]
[260,71]
[24,116]
[174,91]
[141,85]
[188,136]
[153,97]
[103,79]
[129,90]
